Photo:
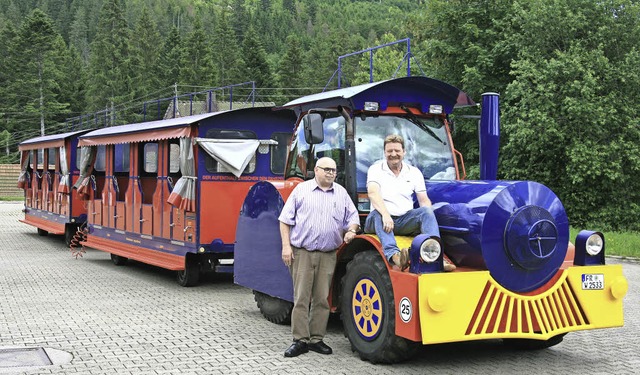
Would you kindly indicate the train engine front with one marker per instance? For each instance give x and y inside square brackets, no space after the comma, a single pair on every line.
[519,277]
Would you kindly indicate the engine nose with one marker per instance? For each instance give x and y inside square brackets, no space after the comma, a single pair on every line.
[531,237]
[518,230]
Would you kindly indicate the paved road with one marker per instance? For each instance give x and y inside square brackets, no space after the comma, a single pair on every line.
[137,320]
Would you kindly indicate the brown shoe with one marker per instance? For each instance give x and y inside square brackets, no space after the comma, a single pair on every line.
[401,259]
[448,264]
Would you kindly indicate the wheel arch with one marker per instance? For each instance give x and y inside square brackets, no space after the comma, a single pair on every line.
[345,254]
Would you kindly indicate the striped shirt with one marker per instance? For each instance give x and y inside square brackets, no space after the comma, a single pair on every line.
[318,218]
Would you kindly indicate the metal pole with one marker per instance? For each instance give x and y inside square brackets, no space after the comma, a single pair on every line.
[408,57]
[371,66]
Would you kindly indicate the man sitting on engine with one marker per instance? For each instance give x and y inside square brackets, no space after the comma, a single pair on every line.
[390,185]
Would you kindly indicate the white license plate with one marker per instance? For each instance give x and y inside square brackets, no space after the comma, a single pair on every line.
[592,281]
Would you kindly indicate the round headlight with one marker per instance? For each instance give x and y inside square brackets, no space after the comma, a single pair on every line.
[594,244]
[430,250]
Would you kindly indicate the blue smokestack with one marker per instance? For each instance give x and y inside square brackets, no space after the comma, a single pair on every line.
[489,134]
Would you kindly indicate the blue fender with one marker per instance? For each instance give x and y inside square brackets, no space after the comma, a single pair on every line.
[258,250]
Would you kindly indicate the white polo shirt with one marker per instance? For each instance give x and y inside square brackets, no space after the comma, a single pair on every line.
[395,190]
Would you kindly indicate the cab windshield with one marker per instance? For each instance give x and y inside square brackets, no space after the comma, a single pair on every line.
[426,144]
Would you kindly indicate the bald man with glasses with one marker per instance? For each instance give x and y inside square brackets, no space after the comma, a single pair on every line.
[318,216]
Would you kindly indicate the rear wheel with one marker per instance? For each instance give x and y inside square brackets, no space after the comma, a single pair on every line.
[42,232]
[368,311]
[118,260]
[529,344]
[274,309]
[190,275]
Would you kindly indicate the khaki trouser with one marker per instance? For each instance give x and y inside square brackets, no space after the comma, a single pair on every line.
[311,272]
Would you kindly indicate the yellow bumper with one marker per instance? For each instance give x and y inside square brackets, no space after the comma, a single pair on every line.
[464,306]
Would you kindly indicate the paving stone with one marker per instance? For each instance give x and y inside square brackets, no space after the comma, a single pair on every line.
[136,320]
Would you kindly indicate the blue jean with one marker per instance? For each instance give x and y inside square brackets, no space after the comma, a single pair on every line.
[414,222]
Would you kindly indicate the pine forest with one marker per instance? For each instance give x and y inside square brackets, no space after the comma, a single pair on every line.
[567,71]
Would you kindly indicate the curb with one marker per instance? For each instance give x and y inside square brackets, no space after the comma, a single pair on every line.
[622,258]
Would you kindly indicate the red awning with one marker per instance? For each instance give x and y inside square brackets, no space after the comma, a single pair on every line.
[144,131]
[47,141]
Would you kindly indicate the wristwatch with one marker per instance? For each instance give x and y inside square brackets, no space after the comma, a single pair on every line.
[353,231]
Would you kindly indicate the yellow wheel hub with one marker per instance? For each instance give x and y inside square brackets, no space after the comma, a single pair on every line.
[367,309]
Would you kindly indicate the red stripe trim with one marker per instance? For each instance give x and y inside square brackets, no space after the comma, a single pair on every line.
[50,226]
[141,254]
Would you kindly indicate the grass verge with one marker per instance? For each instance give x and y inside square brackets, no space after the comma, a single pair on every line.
[625,244]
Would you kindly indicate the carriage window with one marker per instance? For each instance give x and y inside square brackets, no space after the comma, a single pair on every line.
[151,158]
[52,158]
[279,152]
[101,158]
[40,159]
[174,158]
[212,165]
[121,158]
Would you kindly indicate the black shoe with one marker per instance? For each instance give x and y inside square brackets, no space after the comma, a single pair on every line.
[297,348]
[320,347]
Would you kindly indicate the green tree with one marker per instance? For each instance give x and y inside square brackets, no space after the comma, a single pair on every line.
[5,147]
[38,73]
[240,18]
[79,34]
[571,113]
[8,60]
[387,62]
[73,86]
[256,67]
[291,69]
[145,57]
[464,44]
[171,58]
[291,65]
[227,55]
[197,64]
[109,65]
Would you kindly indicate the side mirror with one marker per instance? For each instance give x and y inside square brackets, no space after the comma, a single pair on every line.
[313,131]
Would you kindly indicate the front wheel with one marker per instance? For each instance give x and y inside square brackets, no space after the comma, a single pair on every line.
[368,311]
[274,309]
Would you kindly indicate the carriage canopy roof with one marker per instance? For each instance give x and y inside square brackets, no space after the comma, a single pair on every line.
[156,130]
[48,141]
[143,131]
[422,91]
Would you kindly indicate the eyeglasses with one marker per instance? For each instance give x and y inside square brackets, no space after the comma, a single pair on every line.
[328,170]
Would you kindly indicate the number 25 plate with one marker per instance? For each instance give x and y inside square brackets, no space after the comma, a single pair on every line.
[592,281]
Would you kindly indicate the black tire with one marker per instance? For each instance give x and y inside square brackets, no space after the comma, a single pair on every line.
[118,260]
[529,344]
[374,338]
[42,232]
[274,309]
[190,275]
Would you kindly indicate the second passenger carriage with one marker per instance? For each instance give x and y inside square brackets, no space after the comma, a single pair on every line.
[161,192]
